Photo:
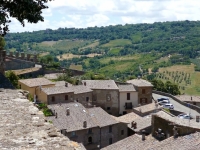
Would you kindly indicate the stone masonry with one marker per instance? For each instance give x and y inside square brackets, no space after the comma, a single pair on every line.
[23,126]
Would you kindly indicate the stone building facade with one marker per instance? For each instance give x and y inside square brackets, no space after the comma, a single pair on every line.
[144,89]
[57,94]
[105,95]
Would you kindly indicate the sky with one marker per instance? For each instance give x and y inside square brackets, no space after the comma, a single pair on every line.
[90,13]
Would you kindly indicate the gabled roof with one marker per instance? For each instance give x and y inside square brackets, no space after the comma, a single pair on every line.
[73,122]
[133,142]
[80,89]
[126,88]
[140,83]
[57,90]
[187,142]
[100,84]
[36,82]
[62,83]
[101,117]
[127,118]
[61,90]
[95,117]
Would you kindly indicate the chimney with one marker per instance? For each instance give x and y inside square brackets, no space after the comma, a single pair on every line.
[175,132]
[85,124]
[143,135]
[134,125]
[68,112]
[66,84]
[56,115]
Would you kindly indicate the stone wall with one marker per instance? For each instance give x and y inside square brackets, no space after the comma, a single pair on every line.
[12,63]
[83,135]
[107,100]
[24,127]
[167,127]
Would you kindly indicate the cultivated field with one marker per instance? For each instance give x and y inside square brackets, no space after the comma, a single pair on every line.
[184,75]
[116,43]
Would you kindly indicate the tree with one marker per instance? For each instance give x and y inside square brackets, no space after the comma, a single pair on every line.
[2,42]
[12,77]
[30,10]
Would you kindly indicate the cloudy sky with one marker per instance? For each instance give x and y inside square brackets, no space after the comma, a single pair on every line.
[89,13]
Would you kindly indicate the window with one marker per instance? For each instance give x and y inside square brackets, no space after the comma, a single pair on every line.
[90,139]
[143,91]
[73,133]
[89,130]
[128,96]
[108,97]
[143,101]
[108,108]
[66,97]
[128,105]
[20,86]
[53,99]
[110,140]
[87,99]
[122,132]
[110,129]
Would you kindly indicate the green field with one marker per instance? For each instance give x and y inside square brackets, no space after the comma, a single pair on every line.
[116,43]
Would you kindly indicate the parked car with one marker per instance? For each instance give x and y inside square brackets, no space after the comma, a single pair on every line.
[162,99]
[163,102]
[168,106]
[185,116]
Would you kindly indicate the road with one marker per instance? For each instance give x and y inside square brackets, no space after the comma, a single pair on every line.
[178,106]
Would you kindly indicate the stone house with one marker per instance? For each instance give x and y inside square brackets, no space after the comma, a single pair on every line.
[128,98]
[105,94]
[144,89]
[32,85]
[92,127]
[62,94]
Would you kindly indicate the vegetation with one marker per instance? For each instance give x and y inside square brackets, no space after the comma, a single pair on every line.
[45,109]
[32,10]
[167,87]
[121,52]
[13,78]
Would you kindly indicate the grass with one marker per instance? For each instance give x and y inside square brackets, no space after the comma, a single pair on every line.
[92,45]
[48,43]
[116,43]
[114,51]
[120,58]
[70,56]
[76,67]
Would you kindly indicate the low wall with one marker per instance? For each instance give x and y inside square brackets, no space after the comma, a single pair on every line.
[178,100]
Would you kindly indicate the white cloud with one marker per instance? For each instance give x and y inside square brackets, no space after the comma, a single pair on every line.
[84,13]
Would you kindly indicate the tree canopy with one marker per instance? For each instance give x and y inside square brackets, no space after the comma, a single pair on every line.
[30,10]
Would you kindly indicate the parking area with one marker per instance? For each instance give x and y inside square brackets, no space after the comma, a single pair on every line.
[178,106]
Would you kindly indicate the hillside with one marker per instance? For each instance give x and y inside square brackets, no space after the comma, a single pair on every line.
[119,52]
